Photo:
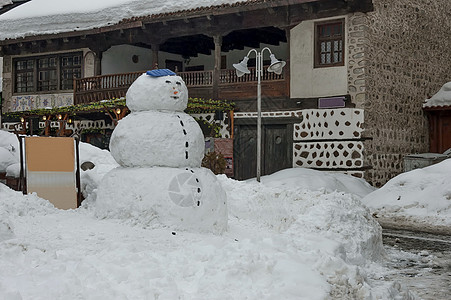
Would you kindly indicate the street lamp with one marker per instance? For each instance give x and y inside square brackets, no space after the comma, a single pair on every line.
[276,66]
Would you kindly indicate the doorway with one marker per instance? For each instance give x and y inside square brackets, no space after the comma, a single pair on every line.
[277,144]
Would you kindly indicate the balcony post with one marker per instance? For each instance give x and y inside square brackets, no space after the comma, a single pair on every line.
[98,63]
[217,69]
[287,71]
[155,49]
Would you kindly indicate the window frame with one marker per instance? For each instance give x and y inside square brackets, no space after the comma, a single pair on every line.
[49,68]
[24,72]
[68,67]
[36,72]
[317,43]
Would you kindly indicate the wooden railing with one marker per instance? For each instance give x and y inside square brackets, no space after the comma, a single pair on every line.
[197,78]
[104,87]
[229,76]
[97,88]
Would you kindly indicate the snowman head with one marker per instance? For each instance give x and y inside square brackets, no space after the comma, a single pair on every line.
[157,90]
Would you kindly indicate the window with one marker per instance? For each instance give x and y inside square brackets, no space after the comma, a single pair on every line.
[329,44]
[24,76]
[47,73]
[47,79]
[70,69]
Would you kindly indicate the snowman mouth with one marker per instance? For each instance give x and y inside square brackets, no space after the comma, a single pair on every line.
[175,97]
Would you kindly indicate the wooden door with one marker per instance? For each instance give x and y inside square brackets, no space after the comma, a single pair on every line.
[445,133]
[276,149]
[440,131]
[245,152]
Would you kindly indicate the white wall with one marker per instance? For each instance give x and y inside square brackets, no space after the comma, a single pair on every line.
[235,56]
[118,59]
[306,81]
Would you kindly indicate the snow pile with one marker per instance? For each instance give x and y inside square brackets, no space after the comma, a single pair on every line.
[327,211]
[312,180]
[6,159]
[420,199]
[282,243]
[103,163]
[66,15]
[288,237]
[9,153]
[14,204]
[441,98]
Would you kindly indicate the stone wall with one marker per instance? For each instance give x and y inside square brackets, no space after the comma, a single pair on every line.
[399,56]
[328,139]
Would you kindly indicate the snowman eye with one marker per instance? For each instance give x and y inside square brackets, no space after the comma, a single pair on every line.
[178,83]
[167,81]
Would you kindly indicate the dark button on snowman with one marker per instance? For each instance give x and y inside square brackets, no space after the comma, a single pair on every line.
[160,150]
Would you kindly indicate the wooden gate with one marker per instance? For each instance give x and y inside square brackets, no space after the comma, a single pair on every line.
[277,144]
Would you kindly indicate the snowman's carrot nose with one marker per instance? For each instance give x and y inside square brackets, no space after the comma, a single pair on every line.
[175,92]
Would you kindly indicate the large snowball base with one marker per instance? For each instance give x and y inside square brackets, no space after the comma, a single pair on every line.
[180,199]
[153,138]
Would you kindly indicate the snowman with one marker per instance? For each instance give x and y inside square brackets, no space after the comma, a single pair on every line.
[159,149]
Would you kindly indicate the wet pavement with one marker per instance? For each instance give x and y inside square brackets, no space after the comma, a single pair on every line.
[420,261]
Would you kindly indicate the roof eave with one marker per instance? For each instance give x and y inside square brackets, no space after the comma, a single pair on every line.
[136,22]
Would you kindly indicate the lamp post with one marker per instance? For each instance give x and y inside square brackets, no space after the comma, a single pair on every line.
[276,66]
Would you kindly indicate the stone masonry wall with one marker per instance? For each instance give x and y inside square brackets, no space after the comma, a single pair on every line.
[399,56]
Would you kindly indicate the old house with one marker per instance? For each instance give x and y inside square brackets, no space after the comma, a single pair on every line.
[349,99]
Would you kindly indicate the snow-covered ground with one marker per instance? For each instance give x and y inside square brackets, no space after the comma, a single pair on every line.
[299,234]
[419,199]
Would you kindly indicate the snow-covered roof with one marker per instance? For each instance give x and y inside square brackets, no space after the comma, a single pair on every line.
[441,99]
[39,17]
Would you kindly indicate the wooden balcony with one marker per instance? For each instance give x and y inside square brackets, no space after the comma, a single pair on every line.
[200,85]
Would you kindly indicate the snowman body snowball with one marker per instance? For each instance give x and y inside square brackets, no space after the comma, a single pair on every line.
[163,135]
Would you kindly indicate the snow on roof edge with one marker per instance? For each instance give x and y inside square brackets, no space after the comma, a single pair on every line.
[442,99]
[127,12]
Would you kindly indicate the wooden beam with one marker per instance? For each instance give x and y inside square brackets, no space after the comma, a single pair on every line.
[155,50]
[217,68]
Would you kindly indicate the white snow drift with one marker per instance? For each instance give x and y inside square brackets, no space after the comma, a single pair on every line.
[282,243]
[300,234]
[418,199]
